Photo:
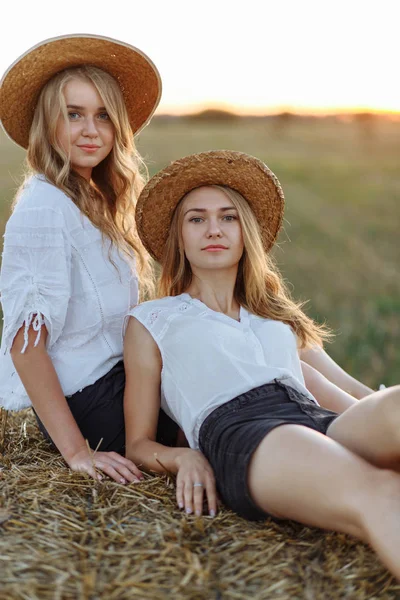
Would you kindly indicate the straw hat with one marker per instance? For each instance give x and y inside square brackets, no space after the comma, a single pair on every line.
[21,84]
[241,172]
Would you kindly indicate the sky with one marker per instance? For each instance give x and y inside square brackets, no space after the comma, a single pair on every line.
[252,56]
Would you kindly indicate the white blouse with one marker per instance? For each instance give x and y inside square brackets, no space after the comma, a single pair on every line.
[209,358]
[56,270]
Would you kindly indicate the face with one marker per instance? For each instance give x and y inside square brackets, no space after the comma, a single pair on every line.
[89,134]
[211,230]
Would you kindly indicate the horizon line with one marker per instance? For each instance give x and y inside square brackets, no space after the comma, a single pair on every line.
[170,110]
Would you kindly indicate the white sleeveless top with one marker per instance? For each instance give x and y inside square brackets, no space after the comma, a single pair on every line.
[56,265]
[209,358]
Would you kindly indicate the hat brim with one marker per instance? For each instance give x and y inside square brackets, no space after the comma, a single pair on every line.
[241,172]
[137,76]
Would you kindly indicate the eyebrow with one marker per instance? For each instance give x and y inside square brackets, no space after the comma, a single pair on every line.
[203,210]
[76,107]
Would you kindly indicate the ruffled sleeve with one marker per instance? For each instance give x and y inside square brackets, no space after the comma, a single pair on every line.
[35,279]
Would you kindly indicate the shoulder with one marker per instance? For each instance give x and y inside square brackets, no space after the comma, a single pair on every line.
[38,192]
[40,200]
[156,315]
[150,322]
[166,305]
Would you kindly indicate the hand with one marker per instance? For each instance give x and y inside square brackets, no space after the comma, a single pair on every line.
[193,470]
[116,466]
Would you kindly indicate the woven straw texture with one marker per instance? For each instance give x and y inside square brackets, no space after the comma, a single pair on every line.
[243,173]
[20,88]
[64,536]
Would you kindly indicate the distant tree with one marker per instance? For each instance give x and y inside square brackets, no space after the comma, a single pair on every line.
[282,121]
[213,114]
[365,122]
[285,116]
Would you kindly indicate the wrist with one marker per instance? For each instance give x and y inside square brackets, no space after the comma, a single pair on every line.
[71,454]
[181,455]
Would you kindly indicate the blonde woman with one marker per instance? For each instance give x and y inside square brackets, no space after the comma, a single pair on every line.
[72,259]
[224,346]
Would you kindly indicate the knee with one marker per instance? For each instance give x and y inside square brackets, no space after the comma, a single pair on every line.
[388,406]
[385,488]
[382,486]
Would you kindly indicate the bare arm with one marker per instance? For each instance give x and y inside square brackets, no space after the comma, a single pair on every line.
[40,380]
[327,393]
[317,357]
[143,366]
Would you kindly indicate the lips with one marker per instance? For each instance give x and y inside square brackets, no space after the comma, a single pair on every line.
[89,148]
[215,247]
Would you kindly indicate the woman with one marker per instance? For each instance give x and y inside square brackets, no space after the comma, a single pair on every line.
[225,346]
[69,270]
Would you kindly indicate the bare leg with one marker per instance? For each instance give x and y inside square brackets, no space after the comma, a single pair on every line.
[371,428]
[297,473]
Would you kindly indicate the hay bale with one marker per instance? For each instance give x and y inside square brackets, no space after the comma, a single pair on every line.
[64,536]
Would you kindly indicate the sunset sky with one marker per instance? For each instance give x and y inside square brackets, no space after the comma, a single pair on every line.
[254,56]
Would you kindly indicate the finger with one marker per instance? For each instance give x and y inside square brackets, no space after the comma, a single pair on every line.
[179,492]
[89,470]
[211,493]
[198,491]
[188,496]
[126,474]
[132,471]
[123,460]
[110,471]
[117,460]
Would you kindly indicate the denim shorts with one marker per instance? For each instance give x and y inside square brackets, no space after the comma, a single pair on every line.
[230,435]
[98,410]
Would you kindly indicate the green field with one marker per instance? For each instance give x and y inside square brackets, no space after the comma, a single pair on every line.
[340,245]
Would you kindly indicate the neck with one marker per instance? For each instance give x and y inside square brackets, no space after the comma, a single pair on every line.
[85,172]
[216,290]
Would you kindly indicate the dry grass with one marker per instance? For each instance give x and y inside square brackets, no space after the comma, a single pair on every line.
[63,536]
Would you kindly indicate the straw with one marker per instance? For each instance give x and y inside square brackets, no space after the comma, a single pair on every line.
[64,536]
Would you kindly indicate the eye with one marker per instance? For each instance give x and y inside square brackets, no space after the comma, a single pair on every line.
[73,116]
[104,116]
[230,218]
[196,220]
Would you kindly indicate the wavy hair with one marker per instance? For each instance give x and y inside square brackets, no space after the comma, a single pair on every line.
[259,285]
[109,199]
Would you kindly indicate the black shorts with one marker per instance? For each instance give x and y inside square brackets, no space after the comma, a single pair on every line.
[232,432]
[99,412]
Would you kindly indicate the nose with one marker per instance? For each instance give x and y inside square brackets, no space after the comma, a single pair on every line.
[89,128]
[214,229]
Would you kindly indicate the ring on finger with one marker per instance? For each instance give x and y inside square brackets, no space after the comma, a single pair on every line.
[198,484]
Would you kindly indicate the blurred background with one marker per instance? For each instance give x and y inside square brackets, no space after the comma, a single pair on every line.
[312,91]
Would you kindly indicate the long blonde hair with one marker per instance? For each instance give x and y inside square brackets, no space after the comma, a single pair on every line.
[109,200]
[259,285]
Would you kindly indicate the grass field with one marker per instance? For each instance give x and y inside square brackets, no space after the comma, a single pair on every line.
[340,245]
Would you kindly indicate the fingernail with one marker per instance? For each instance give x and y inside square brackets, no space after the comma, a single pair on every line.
[189,511]
[180,504]
[122,480]
[212,513]
[136,480]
